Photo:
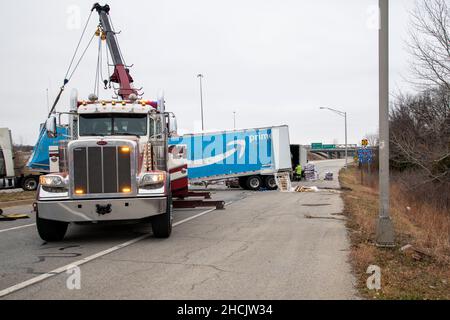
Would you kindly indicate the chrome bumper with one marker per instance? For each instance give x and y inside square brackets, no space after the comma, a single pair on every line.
[101,209]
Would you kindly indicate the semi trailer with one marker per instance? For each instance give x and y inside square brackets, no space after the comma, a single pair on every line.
[299,155]
[253,156]
[13,170]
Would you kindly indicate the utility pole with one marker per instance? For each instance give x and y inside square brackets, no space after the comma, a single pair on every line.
[200,76]
[234,120]
[385,229]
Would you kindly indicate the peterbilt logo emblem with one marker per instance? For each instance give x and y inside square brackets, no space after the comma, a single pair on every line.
[102,143]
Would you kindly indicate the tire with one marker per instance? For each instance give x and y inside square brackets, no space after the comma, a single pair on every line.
[50,230]
[162,224]
[270,183]
[254,183]
[30,183]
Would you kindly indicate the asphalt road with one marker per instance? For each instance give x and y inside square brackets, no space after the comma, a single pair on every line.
[264,245]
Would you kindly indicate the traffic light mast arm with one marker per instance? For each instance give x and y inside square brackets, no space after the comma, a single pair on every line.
[121,74]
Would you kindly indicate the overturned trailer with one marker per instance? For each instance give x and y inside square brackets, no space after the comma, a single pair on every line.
[253,156]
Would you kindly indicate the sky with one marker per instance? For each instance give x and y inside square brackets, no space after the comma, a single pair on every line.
[272,62]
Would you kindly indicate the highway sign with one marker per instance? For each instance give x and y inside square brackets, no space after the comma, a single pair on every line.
[321,146]
[365,142]
[365,155]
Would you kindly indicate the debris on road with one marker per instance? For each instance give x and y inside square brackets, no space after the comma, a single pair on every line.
[340,218]
[12,217]
[329,176]
[306,189]
[283,182]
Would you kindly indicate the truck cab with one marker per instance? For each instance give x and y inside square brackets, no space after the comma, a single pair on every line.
[114,165]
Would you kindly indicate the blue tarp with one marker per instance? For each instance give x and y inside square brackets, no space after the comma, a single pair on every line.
[39,158]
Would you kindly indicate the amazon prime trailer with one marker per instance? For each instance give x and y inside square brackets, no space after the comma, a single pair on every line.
[252,156]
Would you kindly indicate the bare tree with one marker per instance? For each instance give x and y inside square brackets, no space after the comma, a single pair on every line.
[420,123]
[430,43]
[420,134]
[373,139]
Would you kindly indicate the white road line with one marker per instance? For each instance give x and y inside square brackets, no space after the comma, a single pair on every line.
[87,259]
[19,227]
[193,217]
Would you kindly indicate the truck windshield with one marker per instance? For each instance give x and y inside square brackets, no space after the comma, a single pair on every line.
[113,124]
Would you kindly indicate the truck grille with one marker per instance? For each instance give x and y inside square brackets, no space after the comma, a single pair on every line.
[102,170]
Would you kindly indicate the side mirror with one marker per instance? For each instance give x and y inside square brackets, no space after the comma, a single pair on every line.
[50,126]
[173,127]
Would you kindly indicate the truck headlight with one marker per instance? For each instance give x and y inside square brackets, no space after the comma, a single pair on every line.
[152,180]
[53,183]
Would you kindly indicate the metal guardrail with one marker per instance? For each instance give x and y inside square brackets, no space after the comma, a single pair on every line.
[336,147]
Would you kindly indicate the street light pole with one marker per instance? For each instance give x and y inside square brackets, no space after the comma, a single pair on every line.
[342,114]
[234,120]
[200,76]
[346,144]
[385,229]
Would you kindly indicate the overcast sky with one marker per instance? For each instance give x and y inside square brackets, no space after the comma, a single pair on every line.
[273,62]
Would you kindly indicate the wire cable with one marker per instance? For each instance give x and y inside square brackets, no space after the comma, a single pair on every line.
[77,47]
[79,60]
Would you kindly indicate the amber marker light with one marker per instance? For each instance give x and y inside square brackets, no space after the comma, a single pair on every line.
[125,149]
[79,191]
[126,190]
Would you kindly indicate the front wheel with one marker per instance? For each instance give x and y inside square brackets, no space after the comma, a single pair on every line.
[162,224]
[50,230]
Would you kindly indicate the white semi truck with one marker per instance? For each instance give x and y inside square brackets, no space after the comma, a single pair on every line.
[13,170]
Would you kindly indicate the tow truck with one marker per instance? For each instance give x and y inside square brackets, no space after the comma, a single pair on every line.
[114,163]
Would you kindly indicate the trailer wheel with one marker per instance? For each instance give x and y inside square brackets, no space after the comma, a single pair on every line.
[30,183]
[270,183]
[50,230]
[254,183]
[162,224]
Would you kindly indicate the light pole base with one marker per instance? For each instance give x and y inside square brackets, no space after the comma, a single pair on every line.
[385,233]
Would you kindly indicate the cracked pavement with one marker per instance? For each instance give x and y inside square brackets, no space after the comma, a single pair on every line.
[264,245]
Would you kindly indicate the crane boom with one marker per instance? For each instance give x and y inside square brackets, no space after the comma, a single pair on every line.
[121,74]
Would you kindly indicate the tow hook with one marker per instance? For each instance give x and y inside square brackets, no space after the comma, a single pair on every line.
[102,210]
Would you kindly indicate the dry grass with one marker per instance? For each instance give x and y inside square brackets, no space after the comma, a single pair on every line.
[404,276]
[15,196]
